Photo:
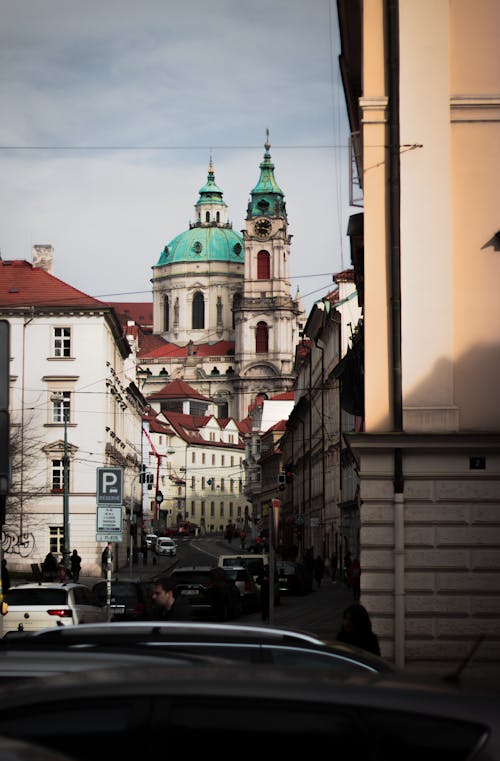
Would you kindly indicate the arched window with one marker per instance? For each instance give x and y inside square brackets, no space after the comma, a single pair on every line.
[198,311]
[207,216]
[263,265]
[261,338]
[217,216]
[166,314]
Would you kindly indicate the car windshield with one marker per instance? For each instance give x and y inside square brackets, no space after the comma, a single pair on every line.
[36,596]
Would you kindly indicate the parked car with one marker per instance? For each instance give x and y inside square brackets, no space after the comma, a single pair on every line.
[292,578]
[165,545]
[271,645]
[121,712]
[245,583]
[208,591]
[130,598]
[35,606]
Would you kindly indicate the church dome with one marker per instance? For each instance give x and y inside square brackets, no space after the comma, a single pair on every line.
[204,244]
[211,238]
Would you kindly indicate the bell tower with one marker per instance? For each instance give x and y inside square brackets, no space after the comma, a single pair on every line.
[267,319]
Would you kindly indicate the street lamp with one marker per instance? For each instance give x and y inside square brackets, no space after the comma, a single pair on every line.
[58,398]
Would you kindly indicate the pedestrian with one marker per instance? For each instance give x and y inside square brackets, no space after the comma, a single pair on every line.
[104,560]
[357,629]
[167,605]
[243,537]
[319,569]
[76,564]
[5,576]
[49,567]
[354,578]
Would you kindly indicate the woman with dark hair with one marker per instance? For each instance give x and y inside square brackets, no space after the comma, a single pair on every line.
[357,629]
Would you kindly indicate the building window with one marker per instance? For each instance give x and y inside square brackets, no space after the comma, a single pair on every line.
[207,216]
[222,509]
[203,482]
[57,475]
[222,460]
[239,511]
[166,314]
[198,311]
[202,508]
[263,265]
[62,342]
[193,482]
[231,485]
[192,508]
[203,458]
[193,458]
[212,509]
[231,509]
[213,459]
[222,484]
[261,338]
[56,540]
[61,406]
[240,486]
[212,481]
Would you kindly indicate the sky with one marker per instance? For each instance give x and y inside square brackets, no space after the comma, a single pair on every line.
[112,109]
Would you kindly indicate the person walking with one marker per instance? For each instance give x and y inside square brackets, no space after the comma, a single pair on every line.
[49,567]
[104,560]
[76,564]
[167,606]
[357,629]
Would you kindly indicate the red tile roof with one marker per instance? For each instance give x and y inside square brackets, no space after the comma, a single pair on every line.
[165,349]
[178,389]
[22,285]
[141,312]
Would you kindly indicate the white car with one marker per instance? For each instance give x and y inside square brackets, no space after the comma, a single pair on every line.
[36,606]
[165,545]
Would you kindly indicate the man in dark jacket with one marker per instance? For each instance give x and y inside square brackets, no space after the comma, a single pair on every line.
[166,605]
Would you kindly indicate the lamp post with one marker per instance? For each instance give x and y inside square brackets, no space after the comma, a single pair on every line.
[59,398]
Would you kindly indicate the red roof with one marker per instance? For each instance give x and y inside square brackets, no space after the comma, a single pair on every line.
[285,396]
[165,349]
[22,285]
[178,389]
[141,312]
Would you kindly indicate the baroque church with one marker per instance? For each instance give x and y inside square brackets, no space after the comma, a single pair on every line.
[224,319]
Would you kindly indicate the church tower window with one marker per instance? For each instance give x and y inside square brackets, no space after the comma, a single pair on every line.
[263,265]
[261,338]
[198,311]
[207,216]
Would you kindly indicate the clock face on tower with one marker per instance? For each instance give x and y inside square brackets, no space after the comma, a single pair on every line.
[262,227]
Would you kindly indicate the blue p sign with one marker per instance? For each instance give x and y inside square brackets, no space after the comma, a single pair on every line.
[109,486]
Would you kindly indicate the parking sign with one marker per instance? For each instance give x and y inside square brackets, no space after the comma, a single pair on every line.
[110,486]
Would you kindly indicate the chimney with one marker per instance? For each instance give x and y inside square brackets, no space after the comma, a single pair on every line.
[42,258]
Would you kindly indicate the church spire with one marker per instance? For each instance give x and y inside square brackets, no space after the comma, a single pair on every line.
[267,198]
[210,208]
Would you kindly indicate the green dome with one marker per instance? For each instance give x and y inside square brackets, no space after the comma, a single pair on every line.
[202,243]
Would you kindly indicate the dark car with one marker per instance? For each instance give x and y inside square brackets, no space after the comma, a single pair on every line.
[267,645]
[126,713]
[247,586]
[130,598]
[292,578]
[208,590]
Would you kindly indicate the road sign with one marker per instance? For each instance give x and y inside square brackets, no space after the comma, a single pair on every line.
[110,486]
[109,523]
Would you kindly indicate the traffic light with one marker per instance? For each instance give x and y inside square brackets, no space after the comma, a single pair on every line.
[281,481]
[142,475]
[289,474]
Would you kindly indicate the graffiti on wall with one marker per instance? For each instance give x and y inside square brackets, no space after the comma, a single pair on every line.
[17,544]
